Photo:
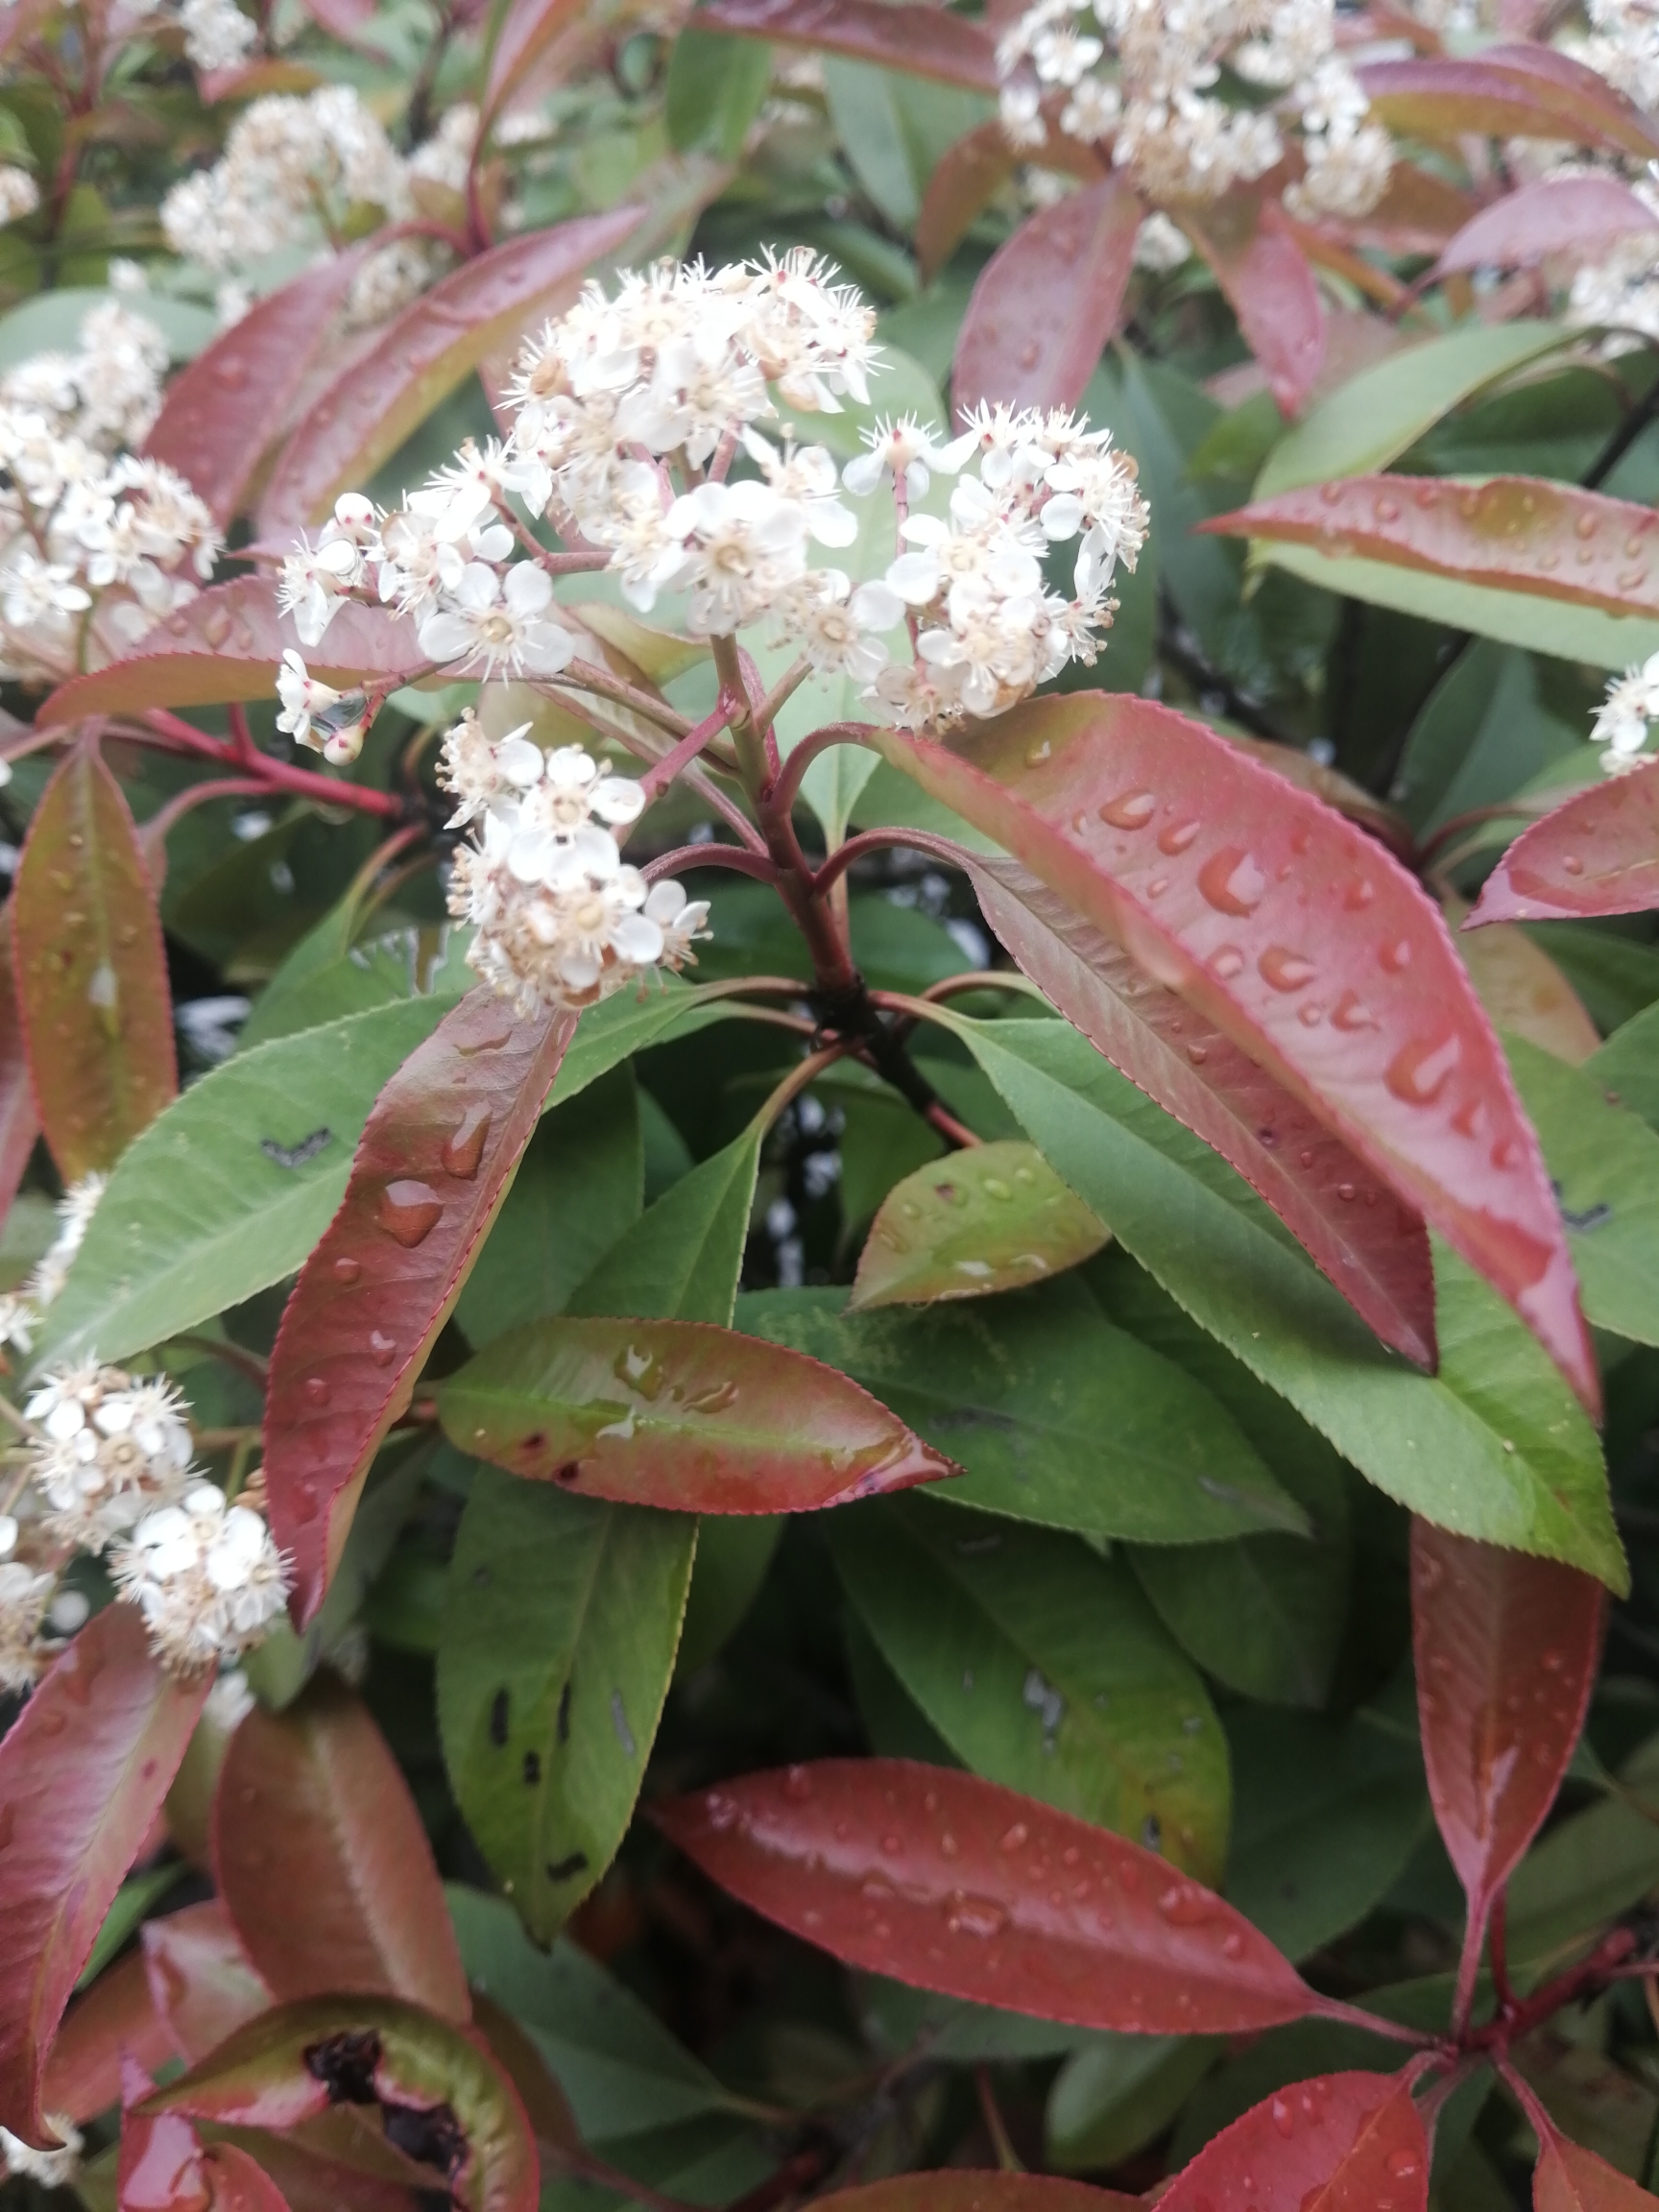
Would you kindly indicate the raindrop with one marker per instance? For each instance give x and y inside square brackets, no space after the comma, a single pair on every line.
[1226,961]
[347,1270]
[1197,1054]
[1231,881]
[1184,1905]
[1014,1837]
[1158,886]
[994,1188]
[1507,1153]
[1396,955]
[1402,2164]
[1571,864]
[1351,1013]
[1345,1192]
[982,1916]
[465,1148]
[1177,837]
[382,1347]
[1285,970]
[409,1212]
[798,1784]
[1419,1072]
[1358,894]
[1129,810]
[1283,2117]
[317,1391]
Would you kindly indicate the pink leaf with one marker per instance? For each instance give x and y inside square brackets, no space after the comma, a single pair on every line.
[892,33]
[1339,2143]
[1554,215]
[1270,287]
[1596,854]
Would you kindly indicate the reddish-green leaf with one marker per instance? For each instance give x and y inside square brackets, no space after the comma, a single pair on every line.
[82,1774]
[1596,854]
[1522,988]
[1507,92]
[966,179]
[117,2015]
[203,1984]
[432,1168]
[90,972]
[1552,215]
[679,1414]
[1371,1245]
[953,1883]
[994,1217]
[362,419]
[1048,300]
[223,408]
[895,34]
[322,1862]
[1507,1648]
[1339,2143]
[447,2102]
[312,2180]
[239,2183]
[162,2167]
[225,644]
[1301,939]
[1520,533]
[1569,2178]
[953,2190]
[1270,286]
[528,29]
[19,1124]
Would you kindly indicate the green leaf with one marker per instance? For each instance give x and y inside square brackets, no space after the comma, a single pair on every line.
[51,323]
[994,1218]
[1482,733]
[1042,1666]
[1604,1163]
[714,90]
[1116,2095]
[558,1642]
[1375,416]
[326,976]
[1588,1868]
[229,1190]
[1494,1446]
[621,2070]
[1628,1065]
[1325,1816]
[1057,1416]
[681,1256]
[618,1027]
[577,1191]
[133,1902]
[894,127]
[734,1551]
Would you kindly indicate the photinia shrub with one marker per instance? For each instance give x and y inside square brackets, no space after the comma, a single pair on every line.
[829,1106]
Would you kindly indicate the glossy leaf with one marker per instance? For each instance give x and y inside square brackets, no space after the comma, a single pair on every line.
[1552,215]
[1516,533]
[528,28]
[229,1190]
[1270,286]
[1338,2142]
[1596,854]
[1507,1648]
[1245,897]
[1495,1446]
[116,2015]
[680,1259]
[445,2100]
[222,410]
[1043,1668]
[83,1773]
[1522,989]
[1569,2178]
[422,354]
[1048,301]
[895,34]
[678,1414]
[1371,1245]
[964,183]
[956,2191]
[323,1862]
[953,1883]
[431,1169]
[994,1217]
[89,971]
[1057,1416]
[19,1124]
[226,646]
[165,2167]
[203,1984]
[1507,92]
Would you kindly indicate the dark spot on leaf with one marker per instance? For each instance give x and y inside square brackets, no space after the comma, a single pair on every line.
[562,1869]
[430,2135]
[1591,1217]
[536,1443]
[346,2064]
[482,1578]
[568,1473]
[564,1714]
[946,1192]
[297,1155]
[1152,1832]
[532,1767]
[498,1718]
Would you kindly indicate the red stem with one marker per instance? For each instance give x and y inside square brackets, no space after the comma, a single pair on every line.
[787,785]
[943,848]
[272,775]
[662,772]
[686,856]
[1496,2035]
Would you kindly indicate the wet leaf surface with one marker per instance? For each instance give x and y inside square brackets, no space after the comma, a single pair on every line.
[1272,287]
[1507,92]
[1596,854]
[1337,2143]
[900,36]
[1552,215]
[994,1217]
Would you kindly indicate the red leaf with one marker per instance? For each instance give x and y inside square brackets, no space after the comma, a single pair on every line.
[1301,939]
[1569,2178]
[1270,287]
[84,2074]
[293,2064]
[82,1774]
[323,1862]
[312,2181]
[1520,533]
[433,1165]
[892,33]
[1048,300]
[1596,854]
[162,2167]
[953,1883]
[679,1414]
[527,30]
[1508,92]
[19,1124]
[1373,1249]
[222,409]
[362,419]
[966,179]
[1339,2143]
[342,19]
[952,2190]
[241,2184]
[203,1984]
[227,645]
[1555,215]
[1507,1648]
[89,970]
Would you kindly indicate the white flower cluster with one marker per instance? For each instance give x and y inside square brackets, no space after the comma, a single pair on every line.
[1141,74]
[1624,718]
[96,546]
[217,33]
[299,171]
[561,920]
[109,1449]
[19,194]
[58,2168]
[630,416]
[206,1575]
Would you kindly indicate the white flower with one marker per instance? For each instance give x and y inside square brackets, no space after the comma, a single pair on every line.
[58,2168]
[744,545]
[679,920]
[1622,722]
[206,1575]
[902,452]
[111,1448]
[495,625]
[313,581]
[19,194]
[75,1211]
[19,1319]
[217,35]
[25,1593]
